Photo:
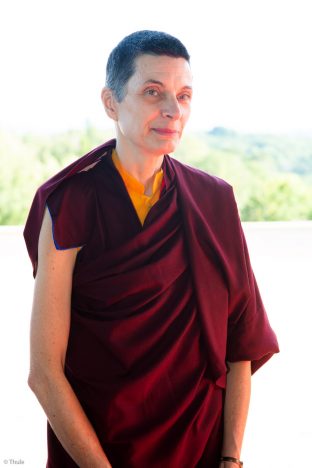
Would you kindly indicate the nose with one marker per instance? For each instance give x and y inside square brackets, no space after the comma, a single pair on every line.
[171,108]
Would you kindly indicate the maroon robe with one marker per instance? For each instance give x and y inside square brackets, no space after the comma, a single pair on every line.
[156,310]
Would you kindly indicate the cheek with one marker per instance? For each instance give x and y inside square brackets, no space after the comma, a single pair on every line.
[128,123]
[135,127]
[186,114]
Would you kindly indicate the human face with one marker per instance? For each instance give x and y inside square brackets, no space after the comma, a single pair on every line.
[151,117]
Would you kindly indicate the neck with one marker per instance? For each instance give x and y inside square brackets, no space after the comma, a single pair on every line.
[142,166]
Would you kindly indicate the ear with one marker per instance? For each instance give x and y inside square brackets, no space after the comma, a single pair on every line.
[109,103]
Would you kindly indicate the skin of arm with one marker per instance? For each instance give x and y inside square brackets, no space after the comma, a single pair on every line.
[237,397]
[50,324]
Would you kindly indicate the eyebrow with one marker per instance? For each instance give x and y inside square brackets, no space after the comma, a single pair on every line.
[162,84]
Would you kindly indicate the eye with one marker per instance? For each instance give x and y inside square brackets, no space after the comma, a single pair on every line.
[185,97]
[152,92]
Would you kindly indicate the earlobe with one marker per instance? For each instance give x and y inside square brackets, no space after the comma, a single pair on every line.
[109,103]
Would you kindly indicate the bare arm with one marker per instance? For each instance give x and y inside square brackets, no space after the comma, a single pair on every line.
[236,409]
[48,342]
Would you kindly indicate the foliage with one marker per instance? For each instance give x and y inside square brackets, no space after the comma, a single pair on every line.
[271,174]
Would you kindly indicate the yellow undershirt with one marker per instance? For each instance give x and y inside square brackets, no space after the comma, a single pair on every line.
[141,202]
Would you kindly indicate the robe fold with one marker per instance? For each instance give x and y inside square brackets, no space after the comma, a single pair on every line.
[157,309]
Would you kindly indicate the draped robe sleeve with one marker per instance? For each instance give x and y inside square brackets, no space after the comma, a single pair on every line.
[71,207]
[233,317]
[35,216]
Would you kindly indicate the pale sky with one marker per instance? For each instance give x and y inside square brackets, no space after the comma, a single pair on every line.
[251,60]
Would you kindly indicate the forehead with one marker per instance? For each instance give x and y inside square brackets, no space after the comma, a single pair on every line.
[161,68]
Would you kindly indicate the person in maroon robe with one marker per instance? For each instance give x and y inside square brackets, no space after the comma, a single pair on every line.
[144,335]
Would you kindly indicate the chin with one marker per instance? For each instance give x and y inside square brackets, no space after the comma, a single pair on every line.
[163,144]
[168,146]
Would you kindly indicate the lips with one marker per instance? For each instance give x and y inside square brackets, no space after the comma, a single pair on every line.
[165,131]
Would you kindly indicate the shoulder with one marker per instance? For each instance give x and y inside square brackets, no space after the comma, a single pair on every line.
[72,207]
[71,181]
[75,174]
[79,188]
[201,180]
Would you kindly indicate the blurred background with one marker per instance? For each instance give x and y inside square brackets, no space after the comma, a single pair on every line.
[251,125]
